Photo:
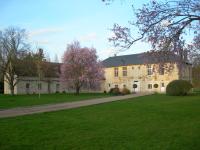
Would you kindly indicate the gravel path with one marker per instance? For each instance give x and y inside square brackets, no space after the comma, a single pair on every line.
[61,106]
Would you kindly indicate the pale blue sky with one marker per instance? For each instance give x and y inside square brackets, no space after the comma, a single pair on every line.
[52,24]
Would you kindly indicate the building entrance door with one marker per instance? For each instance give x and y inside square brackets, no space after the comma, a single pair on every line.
[136,86]
[162,87]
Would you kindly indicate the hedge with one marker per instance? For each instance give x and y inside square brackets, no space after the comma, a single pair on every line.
[178,88]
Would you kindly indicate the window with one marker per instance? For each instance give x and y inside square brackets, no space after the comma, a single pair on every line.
[124,85]
[124,71]
[149,70]
[116,72]
[27,85]
[161,69]
[108,85]
[116,86]
[27,88]
[149,86]
[39,86]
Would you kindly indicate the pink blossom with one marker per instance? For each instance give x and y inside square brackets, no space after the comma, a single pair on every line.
[80,66]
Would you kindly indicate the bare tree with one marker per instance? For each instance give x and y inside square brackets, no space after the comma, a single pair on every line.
[13,46]
[164,24]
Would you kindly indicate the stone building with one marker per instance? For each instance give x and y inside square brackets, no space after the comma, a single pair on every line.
[28,81]
[132,72]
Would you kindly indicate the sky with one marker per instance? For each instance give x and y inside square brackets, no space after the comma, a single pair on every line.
[52,24]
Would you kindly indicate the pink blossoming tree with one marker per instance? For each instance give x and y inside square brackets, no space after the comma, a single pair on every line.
[80,67]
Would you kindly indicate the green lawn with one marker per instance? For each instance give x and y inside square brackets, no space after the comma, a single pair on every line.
[156,122]
[8,101]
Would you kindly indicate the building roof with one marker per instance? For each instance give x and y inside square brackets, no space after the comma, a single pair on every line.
[137,59]
[29,69]
[123,60]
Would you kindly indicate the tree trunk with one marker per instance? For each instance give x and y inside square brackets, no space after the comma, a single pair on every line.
[12,89]
[77,90]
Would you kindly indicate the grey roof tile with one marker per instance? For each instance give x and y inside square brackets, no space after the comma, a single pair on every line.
[124,60]
[137,59]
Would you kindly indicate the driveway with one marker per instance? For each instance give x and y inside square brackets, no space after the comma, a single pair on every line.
[61,106]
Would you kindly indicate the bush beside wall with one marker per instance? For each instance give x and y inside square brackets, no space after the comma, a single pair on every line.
[178,88]
[115,91]
[125,91]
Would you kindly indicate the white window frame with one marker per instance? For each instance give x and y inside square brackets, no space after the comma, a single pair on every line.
[161,70]
[116,72]
[150,86]
[149,70]
[124,71]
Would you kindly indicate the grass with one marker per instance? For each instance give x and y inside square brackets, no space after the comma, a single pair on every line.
[156,122]
[196,90]
[8,101]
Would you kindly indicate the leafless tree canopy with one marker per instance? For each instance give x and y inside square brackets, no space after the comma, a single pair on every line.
[12,47]
[166,25]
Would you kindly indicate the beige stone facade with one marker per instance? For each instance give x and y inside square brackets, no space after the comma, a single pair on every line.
[120,71]
[145,77]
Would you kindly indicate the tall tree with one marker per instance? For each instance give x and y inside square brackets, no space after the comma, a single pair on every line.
[80,66]
[13,46]
[39,58]
[165,24]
